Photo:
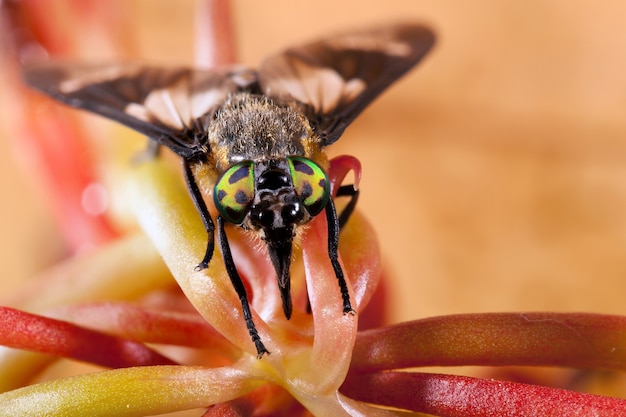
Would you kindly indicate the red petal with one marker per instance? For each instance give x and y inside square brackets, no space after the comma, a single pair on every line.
[148,326]
[40,334]
[457,396]
[561,339]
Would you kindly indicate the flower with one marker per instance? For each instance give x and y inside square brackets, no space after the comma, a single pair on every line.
[310,354]
[309,361]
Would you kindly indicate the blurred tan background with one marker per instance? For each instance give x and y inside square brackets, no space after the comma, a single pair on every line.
[495,174]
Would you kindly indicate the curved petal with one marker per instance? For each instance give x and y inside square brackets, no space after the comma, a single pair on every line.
[147,325]
[358,244]
[360,255]
[552,339]
[458,396]
[128,392]
[54,337]
[334,331]
[339,168]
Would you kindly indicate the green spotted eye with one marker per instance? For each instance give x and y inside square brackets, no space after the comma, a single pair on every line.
[310,182]
[234,192]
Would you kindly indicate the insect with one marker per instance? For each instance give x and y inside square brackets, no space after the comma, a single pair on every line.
[253,137]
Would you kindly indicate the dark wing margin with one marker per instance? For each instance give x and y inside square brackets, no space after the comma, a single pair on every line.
[337,77]
[169,105]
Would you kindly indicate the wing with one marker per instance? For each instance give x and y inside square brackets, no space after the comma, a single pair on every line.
[336,78]
[170,105]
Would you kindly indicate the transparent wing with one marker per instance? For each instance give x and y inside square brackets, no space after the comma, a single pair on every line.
[169,105]
[336,78]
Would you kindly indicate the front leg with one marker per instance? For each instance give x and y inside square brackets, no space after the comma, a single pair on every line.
[333,253]
[239,288]
[353,193]
[344,191]
[196,196]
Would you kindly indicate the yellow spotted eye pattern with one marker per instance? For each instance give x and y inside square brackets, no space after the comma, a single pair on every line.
[310,182]
[234,192]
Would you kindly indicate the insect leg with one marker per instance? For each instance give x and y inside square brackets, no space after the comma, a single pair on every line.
[333,247]
[153,149]
[239,288]
[151,152]
[344,216]
[353,193]
[196,196]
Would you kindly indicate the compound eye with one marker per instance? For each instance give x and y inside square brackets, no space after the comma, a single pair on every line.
[234,192]
[310,182]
